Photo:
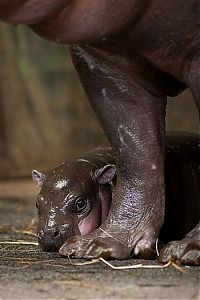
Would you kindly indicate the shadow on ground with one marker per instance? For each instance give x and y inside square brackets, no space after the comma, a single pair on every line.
[27,272]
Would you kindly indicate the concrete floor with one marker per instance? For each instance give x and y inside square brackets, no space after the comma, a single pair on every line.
[28,273]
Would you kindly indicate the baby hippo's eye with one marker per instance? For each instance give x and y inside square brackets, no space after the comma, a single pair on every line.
[80,204]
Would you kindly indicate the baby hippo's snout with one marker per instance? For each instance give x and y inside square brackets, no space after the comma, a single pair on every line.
[51,239]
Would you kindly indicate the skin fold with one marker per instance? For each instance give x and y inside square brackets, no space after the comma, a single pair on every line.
[130,55]
[92,179]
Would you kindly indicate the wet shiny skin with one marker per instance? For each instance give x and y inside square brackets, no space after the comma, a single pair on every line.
[133,55]
[86,182]
[182,156]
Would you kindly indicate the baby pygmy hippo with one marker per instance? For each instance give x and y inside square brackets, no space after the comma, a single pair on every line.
[75,197]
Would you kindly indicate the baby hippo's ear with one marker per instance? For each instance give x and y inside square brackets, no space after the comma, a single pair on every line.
[38,177]
[105,174]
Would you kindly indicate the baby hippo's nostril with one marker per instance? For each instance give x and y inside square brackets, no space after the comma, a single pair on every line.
[41,234]
[51,239]
[56,233]
[52,233]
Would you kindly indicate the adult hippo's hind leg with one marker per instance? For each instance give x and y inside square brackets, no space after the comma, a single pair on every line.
[186,251]
[133,120]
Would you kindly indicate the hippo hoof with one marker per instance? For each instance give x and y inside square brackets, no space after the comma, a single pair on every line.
[89,248]
[108,247]
[145,248]
[186,251]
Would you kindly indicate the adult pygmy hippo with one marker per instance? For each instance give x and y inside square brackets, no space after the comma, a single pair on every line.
[75,197]
[130,55]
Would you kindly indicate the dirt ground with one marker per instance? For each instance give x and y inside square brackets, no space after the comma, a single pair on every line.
[28,273]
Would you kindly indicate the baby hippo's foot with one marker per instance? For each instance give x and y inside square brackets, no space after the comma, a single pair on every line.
[90,247]
[108,246]
[186,251]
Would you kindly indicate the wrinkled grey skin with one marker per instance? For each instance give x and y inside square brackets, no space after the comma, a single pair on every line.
[74,198]
[130,55]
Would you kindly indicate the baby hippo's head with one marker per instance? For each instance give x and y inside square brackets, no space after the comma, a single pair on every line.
[74,200]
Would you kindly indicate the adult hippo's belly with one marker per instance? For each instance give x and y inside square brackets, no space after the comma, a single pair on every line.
[130,55]
[75,197]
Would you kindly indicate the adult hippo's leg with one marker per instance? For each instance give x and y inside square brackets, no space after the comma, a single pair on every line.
[186,251]
[134,121]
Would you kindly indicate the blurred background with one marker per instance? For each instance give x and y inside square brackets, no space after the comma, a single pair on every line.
[45,118]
